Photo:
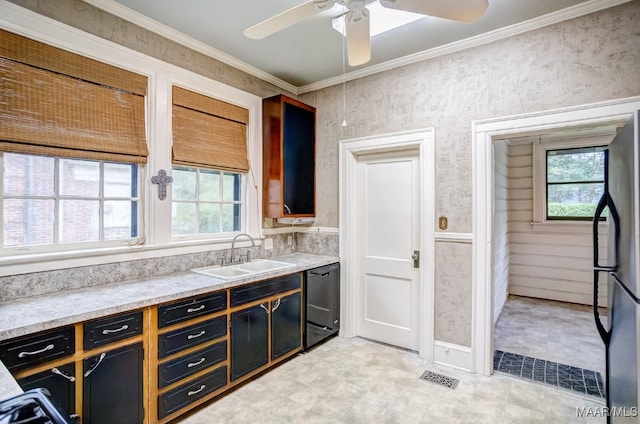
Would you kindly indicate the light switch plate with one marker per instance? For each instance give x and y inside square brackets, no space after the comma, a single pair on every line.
[443,223]
[268,244]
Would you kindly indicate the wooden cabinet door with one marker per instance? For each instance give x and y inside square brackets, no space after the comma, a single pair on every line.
[285,325]
[299,161]
[113,387]
[249,339]
[59,381]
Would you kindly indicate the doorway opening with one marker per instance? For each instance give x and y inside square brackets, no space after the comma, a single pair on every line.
[546,188]
[488,138]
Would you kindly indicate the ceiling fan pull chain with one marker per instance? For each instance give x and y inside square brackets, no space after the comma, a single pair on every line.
[344,80]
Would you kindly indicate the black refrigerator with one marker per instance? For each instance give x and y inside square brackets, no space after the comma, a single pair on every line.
[620,269]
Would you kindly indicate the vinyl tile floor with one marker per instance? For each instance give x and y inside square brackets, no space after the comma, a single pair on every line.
[354,381]
[555,331]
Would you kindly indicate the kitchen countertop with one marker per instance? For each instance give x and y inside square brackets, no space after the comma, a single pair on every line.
[29,315]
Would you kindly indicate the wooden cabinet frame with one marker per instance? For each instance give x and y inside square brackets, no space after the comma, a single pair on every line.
[151,360]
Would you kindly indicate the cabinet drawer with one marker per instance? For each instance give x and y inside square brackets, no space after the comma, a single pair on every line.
[104,331]
[188,365]
[28,351]
[193,335]
[250,292]
[182,396]
[182,311]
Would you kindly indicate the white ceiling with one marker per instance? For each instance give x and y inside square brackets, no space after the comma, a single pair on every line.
[309,55]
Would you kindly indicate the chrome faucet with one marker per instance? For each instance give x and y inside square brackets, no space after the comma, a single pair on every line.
[233,247]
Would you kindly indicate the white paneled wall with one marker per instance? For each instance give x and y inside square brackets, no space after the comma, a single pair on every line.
[546,260]
[500,230]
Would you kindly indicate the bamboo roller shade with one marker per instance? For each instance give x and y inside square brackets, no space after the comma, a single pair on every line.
[208,132]
[40,55]
[81,108]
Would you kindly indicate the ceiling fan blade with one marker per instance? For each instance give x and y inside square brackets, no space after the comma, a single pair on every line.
[457,10]
[288,18]
[358,37]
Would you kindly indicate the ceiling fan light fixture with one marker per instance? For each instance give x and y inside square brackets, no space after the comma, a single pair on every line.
[381,19]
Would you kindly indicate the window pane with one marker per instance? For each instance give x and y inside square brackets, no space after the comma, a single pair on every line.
[575,165]
[28,221]
[79,178]
[79,221]
[209,218]
[119,180]
[118,223]
[573,200]
[184,184]
[183,218]
[230,218]
[209,186]
[231,188]
[28,175]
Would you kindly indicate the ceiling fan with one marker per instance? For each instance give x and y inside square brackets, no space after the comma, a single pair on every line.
[357,19]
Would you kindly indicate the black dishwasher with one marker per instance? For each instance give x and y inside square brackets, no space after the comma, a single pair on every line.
[322,290]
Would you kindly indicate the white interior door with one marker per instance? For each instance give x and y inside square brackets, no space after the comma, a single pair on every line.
[388,216]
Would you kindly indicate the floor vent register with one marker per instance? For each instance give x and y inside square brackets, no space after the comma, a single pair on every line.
[440,379]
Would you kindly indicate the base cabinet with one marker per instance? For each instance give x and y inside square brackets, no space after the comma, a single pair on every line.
[112,387]
[269,328]
[59,381]
[285,325]
[154,365]
[249,340]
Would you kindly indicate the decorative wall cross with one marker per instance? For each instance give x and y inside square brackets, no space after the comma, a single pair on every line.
[162,180]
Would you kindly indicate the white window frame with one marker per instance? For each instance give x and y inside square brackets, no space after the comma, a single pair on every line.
[156,239]
[540,149]
[196,201]
[57,245]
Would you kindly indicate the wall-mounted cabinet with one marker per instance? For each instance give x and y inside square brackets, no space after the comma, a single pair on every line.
[288,158]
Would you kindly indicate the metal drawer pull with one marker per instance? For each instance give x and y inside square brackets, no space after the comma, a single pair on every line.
[265,308]
[36,352]
[195,392]
[62,374]
[93,368]
[199,308]
[117,330]
[195,336]
[276,306]
[195,364]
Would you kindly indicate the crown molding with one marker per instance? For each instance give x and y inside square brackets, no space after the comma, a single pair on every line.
[152,25]
[571,12]
[488,37]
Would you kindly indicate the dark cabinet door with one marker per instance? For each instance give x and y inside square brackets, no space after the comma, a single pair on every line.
[285,325]
[249,339]
[113,387]
[59,381]
[299,157]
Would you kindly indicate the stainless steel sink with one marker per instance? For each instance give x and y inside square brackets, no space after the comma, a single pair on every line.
[242,270]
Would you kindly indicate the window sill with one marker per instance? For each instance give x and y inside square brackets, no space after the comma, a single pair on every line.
[573,227]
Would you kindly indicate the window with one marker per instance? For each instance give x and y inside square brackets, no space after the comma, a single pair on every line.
[54,200]
[205,201]
[574,182]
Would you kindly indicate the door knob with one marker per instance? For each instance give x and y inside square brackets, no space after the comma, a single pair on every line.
[416,258]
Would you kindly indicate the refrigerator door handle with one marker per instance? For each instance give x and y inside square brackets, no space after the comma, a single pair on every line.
[597,269]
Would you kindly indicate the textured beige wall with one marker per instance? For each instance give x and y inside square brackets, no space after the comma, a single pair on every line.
[585,60]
